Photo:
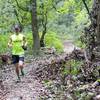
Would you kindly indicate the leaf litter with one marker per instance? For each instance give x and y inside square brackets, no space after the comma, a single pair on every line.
[44,79]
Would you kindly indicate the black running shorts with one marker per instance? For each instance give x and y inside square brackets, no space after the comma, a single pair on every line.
[16,59]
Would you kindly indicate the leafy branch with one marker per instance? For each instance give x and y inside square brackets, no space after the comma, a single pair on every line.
[22,8]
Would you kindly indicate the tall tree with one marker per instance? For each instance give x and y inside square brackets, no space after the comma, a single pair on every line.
[93,32]
[44,17]
[34,26]
[96,24]
[32,9]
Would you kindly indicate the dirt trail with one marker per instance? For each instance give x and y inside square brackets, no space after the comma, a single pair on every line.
[68,46]
[30,88]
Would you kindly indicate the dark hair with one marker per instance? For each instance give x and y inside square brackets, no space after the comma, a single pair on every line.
[18,27]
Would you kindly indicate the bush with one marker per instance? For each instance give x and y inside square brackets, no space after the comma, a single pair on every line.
[29,40]
[72,67]
[3,44]
[52,40]
[78,43]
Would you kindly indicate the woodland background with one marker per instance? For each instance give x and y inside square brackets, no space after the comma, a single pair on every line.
[52,27]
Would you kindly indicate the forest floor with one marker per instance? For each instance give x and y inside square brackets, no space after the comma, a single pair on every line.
[38,84]
[29,88]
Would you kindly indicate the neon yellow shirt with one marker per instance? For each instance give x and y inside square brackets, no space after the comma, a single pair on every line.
[17,41]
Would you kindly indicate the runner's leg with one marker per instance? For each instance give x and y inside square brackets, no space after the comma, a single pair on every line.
[17,70]
[21,64]
[15,60]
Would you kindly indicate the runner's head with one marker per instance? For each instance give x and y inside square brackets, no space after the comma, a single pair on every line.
[17,28]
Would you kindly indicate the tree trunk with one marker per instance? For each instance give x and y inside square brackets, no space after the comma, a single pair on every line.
[36,40]
[44,13]
[93,32]
[44,23]
[96,19]
[42,44]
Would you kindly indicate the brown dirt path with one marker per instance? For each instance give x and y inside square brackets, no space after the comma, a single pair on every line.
[30,88]
[68,46]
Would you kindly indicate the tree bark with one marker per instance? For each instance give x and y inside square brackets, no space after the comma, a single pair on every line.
[36,40]
[98,21]
[44,16]
[44,24]
[93,32]
[42,44]
[96,18]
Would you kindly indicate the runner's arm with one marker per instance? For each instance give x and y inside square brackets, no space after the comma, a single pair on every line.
[24,41]
[10,43]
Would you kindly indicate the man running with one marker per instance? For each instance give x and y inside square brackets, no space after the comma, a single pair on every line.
[17,43]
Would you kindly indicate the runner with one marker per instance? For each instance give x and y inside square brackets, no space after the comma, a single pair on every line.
[18,44]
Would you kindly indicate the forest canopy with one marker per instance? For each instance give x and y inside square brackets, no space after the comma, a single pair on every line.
[62,17]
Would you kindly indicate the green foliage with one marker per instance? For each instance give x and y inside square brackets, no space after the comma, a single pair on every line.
[29,40]
[72,67]
[75,65]
[98,80]
[65,17]
[52,40]
[69,16]
[81,17]
[47,82]
[3,44]
[66,6]
[78,43]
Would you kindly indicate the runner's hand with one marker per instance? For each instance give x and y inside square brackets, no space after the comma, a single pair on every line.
[9,45]
[24,47]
